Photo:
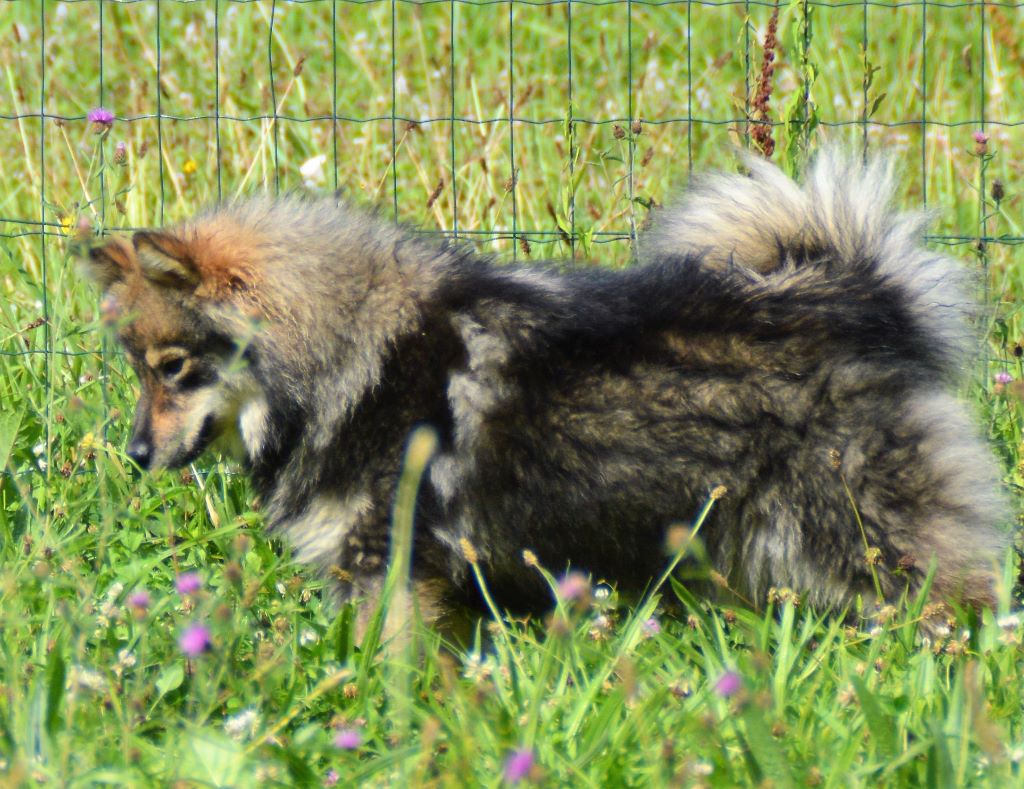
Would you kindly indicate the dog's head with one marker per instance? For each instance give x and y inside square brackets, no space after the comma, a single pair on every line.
[167,296]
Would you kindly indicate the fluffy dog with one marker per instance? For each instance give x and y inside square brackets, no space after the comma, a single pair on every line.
[793,344]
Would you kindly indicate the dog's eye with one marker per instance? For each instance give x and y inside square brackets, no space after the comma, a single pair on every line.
[171,367]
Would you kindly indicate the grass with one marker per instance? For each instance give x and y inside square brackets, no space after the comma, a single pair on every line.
[95,686]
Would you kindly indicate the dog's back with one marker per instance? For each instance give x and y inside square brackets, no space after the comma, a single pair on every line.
[796,346]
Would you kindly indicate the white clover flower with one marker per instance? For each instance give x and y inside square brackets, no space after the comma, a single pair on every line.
[702,768]
[243,725]
[312,170]
[1009,622]
[81,678]
[476,668]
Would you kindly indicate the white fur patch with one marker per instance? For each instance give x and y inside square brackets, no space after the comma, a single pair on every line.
[966,481]
[202,404]
[480,390]
[253,421]
[318,533]
[445,476]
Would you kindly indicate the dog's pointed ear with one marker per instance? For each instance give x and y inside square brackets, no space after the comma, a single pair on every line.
[109,262]
[165,259]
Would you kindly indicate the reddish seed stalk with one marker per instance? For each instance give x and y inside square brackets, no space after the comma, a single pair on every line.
[762,131]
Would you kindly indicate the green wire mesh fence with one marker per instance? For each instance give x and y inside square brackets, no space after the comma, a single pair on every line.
[531,128]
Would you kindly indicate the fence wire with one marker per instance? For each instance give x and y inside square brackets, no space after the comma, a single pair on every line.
[530,126]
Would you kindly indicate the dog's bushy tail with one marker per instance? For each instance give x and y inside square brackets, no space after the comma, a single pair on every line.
[838,222]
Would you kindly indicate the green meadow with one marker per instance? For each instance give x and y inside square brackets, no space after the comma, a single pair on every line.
[533,130]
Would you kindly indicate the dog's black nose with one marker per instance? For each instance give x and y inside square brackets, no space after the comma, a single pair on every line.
[140,452]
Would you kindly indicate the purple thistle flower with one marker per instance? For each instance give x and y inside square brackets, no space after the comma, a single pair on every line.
[574,587]
[195,640]
[980,137]
[348,739]
[331,778]
[518,765]
[188,583]
[121,153]
[102,118]
[139,600]
[651,627]
[980,143]
[729,684]
[1003,378]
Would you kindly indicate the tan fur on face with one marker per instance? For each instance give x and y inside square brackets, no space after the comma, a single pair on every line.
[175,425]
